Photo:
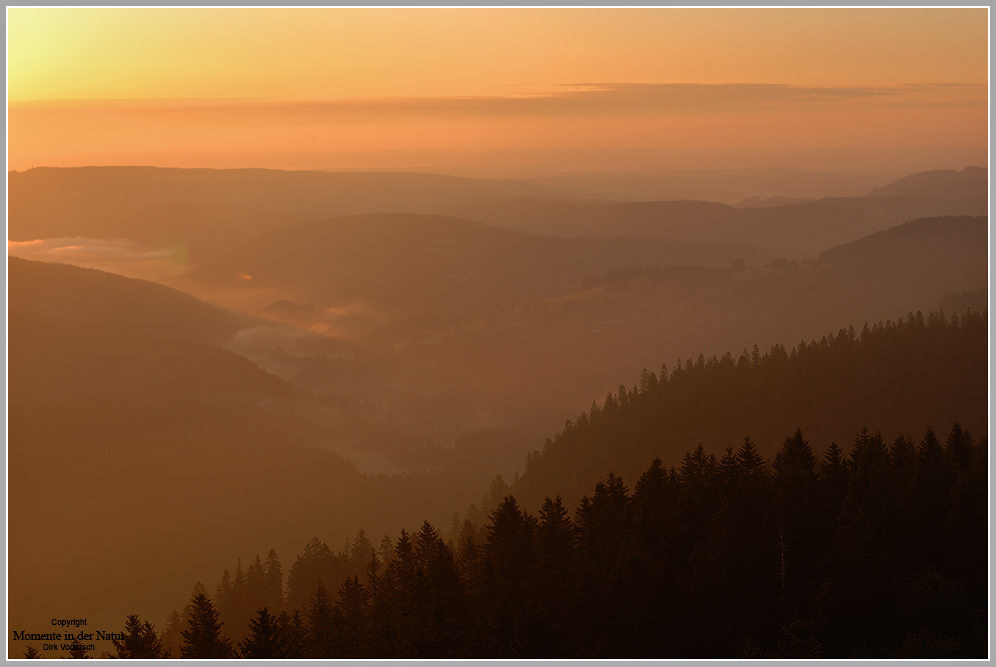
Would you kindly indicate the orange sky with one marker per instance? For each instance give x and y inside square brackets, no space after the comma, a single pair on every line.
[403,88]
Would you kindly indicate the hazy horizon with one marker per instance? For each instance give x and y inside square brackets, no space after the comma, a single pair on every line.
[410,87]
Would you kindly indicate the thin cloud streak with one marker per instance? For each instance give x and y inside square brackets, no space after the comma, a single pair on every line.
[568,101]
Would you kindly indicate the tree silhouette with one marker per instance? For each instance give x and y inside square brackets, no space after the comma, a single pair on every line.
[141,641]
[274,582]
[320,642]
[296,633]
[507,563]
[555,544]
[266,639]
[203,638]
[172,634]
[78,651]
[352,618]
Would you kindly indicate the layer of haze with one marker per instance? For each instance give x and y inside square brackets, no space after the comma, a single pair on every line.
[516,92]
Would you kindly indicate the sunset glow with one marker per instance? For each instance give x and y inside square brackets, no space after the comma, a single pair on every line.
[378,88]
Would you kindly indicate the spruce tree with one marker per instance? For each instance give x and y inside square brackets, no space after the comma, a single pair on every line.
[141,641]
[507,582]
[203,638]
[256,596]
[555,556]
[469,558]
[266,639]
[274,582]
[352,617]
[796,508]
[78,651]
[320,642]
[296,633]
[359,555]
[172,636]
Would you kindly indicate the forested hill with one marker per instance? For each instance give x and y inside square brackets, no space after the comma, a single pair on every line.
[896,377]
[924,242]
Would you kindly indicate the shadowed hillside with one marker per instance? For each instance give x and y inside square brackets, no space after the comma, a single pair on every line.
[62,357]
[923,242]
[139,306]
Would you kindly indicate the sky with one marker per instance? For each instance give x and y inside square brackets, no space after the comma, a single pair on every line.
[522,90]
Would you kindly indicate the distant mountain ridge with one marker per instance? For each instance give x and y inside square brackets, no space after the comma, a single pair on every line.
[206,210]
[970,182]
[799,230]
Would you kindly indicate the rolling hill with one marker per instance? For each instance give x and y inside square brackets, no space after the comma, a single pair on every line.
[57,358]
[107,299]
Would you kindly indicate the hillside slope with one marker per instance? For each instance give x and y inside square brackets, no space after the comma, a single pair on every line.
[139,306]
[55,358]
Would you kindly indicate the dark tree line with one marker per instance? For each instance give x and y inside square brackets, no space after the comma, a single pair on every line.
[877,552]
